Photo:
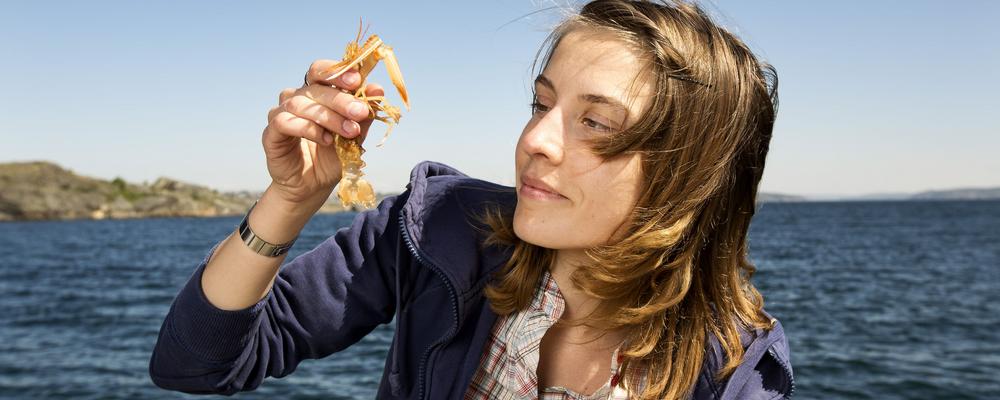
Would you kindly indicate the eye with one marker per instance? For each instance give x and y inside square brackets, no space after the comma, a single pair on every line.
[597,126]
[537,107]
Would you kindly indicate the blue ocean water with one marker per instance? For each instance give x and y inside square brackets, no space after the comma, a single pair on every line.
[880,300]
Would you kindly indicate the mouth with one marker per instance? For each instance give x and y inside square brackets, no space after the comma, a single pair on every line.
[538,190]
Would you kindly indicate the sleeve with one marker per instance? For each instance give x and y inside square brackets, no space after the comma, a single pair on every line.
[321,302]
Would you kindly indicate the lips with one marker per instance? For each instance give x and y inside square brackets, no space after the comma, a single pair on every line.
[540,186]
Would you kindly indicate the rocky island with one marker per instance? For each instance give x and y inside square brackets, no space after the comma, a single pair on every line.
[42,190]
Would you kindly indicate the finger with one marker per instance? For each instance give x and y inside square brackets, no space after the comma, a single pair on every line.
[374,89]
[305,107]
[282,98]
[342,103]
[285,94]
[320,71]
[271,136]
[272,112]
[288,124]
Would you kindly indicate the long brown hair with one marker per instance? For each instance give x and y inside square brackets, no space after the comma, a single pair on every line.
[682,271]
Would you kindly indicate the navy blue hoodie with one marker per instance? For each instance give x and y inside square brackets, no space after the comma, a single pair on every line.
[418,257]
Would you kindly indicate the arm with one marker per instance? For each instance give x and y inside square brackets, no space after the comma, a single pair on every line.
[320,303]
[237,277]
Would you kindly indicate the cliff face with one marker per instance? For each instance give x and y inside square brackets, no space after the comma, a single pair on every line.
[43,191]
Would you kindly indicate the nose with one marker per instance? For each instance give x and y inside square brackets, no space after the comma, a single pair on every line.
[543,136]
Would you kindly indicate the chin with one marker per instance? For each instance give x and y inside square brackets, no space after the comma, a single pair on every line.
[552,230]
[540,231]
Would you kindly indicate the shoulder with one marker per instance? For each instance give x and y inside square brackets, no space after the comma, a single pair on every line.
[433,184]
[441,194]
[441,219]
[765,370]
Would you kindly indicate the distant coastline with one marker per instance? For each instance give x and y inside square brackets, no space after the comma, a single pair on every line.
[957,194]
[41,190]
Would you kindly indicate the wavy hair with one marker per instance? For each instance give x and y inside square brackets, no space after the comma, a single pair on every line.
[681,271]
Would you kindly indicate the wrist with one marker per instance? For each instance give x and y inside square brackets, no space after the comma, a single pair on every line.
[294,205]
[256,243]
[277,220]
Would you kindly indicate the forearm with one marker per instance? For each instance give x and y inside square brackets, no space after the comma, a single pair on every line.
[236,277]
[323,301]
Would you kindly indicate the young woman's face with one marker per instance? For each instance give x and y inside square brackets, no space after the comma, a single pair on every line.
[584,92]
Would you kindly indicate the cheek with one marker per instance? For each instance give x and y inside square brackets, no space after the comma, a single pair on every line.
[609,198]
[606,205]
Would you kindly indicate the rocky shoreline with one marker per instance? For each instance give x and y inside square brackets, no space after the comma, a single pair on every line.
[42,190]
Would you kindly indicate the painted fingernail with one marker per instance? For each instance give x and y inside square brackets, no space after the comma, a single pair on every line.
[350,127]
[357,109]
[351,78]
[327,138]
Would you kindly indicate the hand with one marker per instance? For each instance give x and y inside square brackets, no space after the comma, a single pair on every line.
[298,140]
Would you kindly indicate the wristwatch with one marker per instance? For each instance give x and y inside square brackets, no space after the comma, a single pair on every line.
[258,245]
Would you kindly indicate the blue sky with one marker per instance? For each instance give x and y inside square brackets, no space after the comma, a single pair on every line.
[875,96]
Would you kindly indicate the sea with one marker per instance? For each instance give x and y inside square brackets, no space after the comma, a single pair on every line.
[879,300]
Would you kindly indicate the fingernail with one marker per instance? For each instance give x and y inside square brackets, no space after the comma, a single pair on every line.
[350,127]
[357,109]
[327,138]
[351,77]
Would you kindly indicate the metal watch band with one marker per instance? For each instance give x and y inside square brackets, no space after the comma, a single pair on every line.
[258,245]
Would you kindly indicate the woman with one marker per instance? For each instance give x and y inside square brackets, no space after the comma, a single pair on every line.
[616,268]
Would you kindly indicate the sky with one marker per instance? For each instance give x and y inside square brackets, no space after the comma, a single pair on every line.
[875,96]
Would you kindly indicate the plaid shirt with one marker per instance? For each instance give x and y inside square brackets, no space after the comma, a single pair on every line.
[507,369]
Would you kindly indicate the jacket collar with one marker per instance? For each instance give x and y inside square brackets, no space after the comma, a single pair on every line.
[440,218]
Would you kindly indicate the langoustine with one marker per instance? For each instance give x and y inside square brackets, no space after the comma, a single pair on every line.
[353,189]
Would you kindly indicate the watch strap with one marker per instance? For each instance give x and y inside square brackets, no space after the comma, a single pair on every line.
[258,245]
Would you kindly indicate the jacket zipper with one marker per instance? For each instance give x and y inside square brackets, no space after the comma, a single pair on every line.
[422,369]
[784,368]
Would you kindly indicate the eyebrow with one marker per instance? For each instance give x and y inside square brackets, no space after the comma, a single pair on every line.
[590,98]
